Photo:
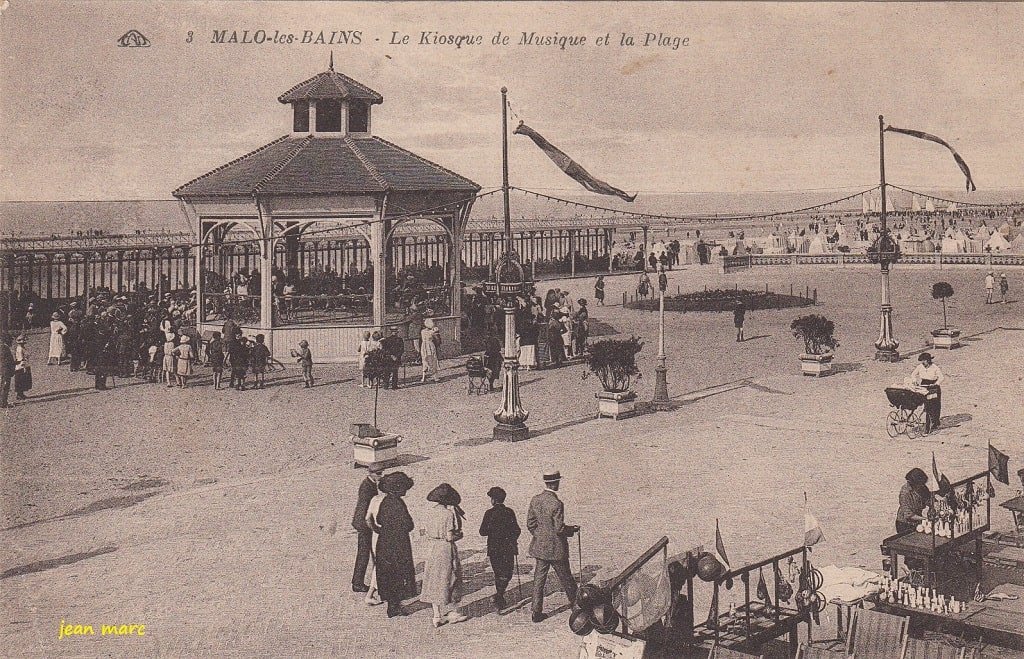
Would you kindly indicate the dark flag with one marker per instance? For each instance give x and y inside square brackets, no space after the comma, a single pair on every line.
[938,140]
[720,548]
[999,465]
[570,166]
[762,589]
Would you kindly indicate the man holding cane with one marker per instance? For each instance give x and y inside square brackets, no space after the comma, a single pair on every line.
[550,546]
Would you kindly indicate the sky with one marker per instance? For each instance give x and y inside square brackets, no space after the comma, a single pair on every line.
[764,96]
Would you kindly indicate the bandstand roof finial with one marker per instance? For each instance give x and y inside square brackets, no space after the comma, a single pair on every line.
[330,65]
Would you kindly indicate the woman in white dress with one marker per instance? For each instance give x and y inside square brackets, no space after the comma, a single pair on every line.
[57,331]
[22,370]
[442,575]
[430,339]
[364,347]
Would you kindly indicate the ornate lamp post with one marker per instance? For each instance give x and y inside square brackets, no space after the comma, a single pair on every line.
[508,283]
[885,251]
[661,400]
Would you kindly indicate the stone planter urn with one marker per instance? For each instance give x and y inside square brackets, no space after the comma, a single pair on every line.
[373,448]
[947,338]
[816,365]
[615,404]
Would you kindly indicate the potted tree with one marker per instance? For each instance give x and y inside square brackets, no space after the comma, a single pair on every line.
[818,334]
[370,446]
[947,337]
[613,361]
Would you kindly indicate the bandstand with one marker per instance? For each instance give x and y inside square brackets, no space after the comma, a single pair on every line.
[305,207]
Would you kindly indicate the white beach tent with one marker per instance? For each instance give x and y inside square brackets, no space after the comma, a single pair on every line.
[998,243]
[1017,244]
[818,245]
[915,205]
[929,207]
[1004,229]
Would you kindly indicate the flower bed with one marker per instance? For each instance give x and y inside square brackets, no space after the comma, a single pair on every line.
[723,300]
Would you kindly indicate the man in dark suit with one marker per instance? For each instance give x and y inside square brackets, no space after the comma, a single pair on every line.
[367,490]
[6,370]
[550,547]
[393,346]
[501,529]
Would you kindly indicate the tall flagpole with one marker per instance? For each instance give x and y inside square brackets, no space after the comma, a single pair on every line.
[509,281]
[886,347]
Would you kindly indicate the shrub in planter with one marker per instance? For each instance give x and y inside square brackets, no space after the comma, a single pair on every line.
[613,361]
[945,337]
[818,334]
[377,367]
[369,445]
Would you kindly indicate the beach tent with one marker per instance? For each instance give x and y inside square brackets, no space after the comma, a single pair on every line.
[951,207]
[998,243]
[929,207]
[950,246]
[865,204]
[818,245]
[914,205]
[1004,229]
[1017,244]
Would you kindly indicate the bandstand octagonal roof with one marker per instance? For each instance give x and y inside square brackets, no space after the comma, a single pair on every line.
[310,165]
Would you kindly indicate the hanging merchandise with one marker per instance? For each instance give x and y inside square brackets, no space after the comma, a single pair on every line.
[784,588]
[762,588]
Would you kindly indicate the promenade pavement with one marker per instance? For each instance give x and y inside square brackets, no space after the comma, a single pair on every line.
[220,519]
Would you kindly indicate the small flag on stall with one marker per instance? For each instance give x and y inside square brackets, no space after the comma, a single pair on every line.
[570,166]
[999,465]
[938,140]
[812,530]
[720,548]
[712,622]
[935,470]
[762,589]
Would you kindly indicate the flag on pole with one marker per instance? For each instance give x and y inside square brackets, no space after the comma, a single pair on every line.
[570,166]
[812,530]
[999,465]
[720,548]
[938,140]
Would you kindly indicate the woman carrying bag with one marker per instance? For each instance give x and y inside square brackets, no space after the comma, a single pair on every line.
[442,577]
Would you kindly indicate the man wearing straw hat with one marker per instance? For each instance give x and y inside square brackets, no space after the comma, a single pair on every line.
[550,546]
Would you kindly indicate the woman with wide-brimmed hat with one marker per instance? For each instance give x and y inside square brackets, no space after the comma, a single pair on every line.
[929,377]
[442,577]
[184,358]
[57,331]
[396,571]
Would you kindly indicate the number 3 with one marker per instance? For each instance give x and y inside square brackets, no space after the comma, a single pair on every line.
[188,39]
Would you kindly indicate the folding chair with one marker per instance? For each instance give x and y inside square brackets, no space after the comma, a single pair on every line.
[811,652]
[718,652]
[933,648]
[877,635]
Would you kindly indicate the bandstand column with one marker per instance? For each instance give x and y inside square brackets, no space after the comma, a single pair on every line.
[266,276]
[455,263]
[377,247]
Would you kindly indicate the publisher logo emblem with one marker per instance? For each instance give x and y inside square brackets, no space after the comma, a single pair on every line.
[133,39]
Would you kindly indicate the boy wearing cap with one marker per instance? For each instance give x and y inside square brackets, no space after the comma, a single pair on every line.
[501,529]
[550,546]
[305,359]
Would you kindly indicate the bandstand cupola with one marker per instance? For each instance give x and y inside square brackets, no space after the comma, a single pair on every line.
[331,104]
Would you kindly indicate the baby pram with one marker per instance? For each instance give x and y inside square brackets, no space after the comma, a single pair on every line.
[907,415]
[477,376]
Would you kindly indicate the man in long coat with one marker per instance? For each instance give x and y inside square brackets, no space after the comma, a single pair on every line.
[6,370]
[367,490]
[550,546]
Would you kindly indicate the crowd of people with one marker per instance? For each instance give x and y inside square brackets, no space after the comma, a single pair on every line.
[385,568]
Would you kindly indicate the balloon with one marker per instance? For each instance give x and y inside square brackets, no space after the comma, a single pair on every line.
[590,595]
[579,622]
[708,567]
[604,618]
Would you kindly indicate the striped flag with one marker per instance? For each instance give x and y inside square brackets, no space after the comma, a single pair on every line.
[938,140]
[570,166]
[999,465]
[720,548]
[812,530]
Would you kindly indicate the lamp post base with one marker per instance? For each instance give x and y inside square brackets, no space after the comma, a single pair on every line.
[504,432]
[887,355]
[661,401]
